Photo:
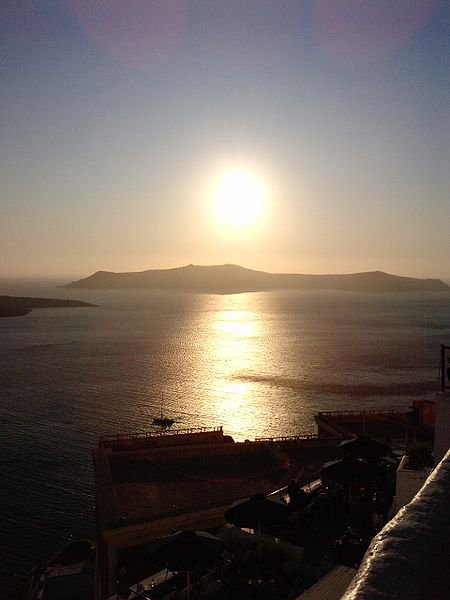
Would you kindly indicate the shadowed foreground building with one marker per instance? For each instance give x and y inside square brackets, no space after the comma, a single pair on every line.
[410,558]
[149,484]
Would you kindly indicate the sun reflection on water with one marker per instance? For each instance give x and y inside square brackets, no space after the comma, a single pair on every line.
[233,348]
[236,323]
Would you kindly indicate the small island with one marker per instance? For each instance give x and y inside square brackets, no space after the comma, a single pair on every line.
[18,306]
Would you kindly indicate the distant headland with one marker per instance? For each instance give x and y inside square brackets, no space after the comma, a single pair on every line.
[230,279]
[18,306]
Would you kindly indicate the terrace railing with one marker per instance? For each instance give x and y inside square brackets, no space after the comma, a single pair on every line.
[119,437]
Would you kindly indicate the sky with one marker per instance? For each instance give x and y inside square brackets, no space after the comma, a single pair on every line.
[121,123]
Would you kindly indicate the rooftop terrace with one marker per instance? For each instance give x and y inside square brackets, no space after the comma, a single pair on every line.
[148,484]
[143,478]
[396,428]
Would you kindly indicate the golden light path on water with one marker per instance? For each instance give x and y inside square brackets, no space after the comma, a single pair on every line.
[233,342]
[237,347]
[235,337]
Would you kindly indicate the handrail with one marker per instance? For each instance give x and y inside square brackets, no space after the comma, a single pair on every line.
[154,434]
[374,411]
[292,438]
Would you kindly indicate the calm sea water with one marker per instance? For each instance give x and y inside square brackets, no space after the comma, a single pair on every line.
[259,364]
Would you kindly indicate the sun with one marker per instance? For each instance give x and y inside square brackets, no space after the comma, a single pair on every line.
[238,198]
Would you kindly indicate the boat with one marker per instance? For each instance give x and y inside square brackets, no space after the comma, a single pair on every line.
[69,574]
[162,420]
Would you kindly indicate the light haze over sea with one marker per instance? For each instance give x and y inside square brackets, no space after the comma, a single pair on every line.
[260,364]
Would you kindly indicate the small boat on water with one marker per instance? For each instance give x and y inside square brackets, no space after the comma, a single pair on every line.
[70,574]
[162,420]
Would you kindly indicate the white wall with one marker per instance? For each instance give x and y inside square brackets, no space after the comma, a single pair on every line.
[408,483]
[442,426]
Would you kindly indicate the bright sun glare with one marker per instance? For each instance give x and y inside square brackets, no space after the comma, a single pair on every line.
[238,198]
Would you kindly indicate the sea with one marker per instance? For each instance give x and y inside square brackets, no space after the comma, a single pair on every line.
[258,364]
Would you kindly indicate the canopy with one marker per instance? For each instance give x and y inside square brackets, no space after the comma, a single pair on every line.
[257,511]
[348,470]
[185,550]
[364,447]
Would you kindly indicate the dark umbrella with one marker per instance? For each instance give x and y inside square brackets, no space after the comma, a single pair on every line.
[348,470]
[185,550]
[257,511]
[364,447]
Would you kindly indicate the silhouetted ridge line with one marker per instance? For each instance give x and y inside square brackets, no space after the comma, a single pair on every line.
[228,279]
[17,306]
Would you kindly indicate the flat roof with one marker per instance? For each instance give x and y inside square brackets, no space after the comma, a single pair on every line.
[142,478]
[136,486]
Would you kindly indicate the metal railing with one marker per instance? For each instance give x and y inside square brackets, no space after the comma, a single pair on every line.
[349,413]
[118,437]
[294,438]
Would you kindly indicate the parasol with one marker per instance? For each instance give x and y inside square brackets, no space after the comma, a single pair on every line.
[257,511]
[185,550]
[348,470]
[364,447]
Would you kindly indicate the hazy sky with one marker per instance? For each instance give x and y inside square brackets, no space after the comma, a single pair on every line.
[117,119]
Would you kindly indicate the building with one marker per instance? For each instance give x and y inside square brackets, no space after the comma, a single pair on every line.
[409,558]
[148,484]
